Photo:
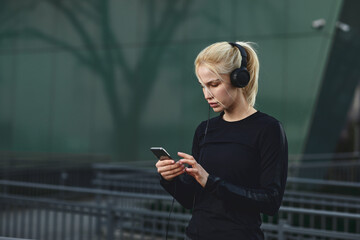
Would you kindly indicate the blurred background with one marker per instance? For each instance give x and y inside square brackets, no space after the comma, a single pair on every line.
[87,87]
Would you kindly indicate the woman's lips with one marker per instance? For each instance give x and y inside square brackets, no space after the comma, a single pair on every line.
[213,105]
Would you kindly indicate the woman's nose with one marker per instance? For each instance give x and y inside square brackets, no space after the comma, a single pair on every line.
[207,93]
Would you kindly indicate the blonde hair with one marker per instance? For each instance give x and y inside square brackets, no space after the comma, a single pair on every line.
[222,58]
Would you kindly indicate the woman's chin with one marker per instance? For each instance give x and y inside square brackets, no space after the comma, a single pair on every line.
[218,109]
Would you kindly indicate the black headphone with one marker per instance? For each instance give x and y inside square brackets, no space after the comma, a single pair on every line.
[240,77]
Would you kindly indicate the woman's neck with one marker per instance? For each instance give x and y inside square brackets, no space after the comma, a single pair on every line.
[239,112]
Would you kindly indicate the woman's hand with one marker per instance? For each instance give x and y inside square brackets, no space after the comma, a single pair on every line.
[196,170]
[169,168]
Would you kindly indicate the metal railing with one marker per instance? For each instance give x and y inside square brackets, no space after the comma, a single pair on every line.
[339,167]
[105,214]
[50,168]
[311,199]
[128,203]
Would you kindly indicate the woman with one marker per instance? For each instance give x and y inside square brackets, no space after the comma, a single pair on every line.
[238,166]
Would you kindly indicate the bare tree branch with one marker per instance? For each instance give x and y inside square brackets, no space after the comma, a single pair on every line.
[35,33]
[87,9]
[6,15]
[85,37]
[170,18]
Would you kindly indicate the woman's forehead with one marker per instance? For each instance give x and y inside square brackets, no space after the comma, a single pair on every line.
[206,73]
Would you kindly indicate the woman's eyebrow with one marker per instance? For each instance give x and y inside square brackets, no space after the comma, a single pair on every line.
[213,80]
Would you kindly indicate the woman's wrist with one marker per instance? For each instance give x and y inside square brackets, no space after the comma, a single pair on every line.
[204,180]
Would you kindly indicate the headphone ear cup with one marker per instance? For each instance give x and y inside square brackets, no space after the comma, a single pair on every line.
[240,77]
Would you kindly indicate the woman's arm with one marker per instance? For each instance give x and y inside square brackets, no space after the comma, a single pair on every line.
[182,188]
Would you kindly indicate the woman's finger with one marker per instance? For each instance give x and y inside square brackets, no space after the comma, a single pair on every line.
[191,170]
[188,161]
[170,168]
[162,163]
[168,175]
[185,155]
[174,173]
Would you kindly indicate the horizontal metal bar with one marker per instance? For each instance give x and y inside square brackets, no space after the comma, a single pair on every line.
[320,212]
[310,231]
[50,202]
[326,164]
[322,233]
[85,190]
[97,207]
[322,182]
[325,156]
[321,202]
[322,196]
[146,212]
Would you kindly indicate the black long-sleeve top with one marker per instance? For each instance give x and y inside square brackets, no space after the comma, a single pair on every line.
[247,165]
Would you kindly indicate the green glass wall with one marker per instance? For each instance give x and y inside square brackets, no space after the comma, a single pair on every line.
[115,77]
[340,78]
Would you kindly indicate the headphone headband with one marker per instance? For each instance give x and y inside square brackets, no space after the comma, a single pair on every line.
[242,52]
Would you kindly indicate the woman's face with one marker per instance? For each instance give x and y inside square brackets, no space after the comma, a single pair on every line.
[219,93]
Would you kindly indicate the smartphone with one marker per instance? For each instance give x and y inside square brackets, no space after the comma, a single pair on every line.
[160,153]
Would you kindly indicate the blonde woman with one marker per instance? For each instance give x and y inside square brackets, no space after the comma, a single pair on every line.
[238,165]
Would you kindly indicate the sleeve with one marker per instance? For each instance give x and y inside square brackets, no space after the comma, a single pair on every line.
[273,174]
[183,187]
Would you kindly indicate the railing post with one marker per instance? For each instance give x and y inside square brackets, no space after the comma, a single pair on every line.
[281,229]
[98,218]
[110,222]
